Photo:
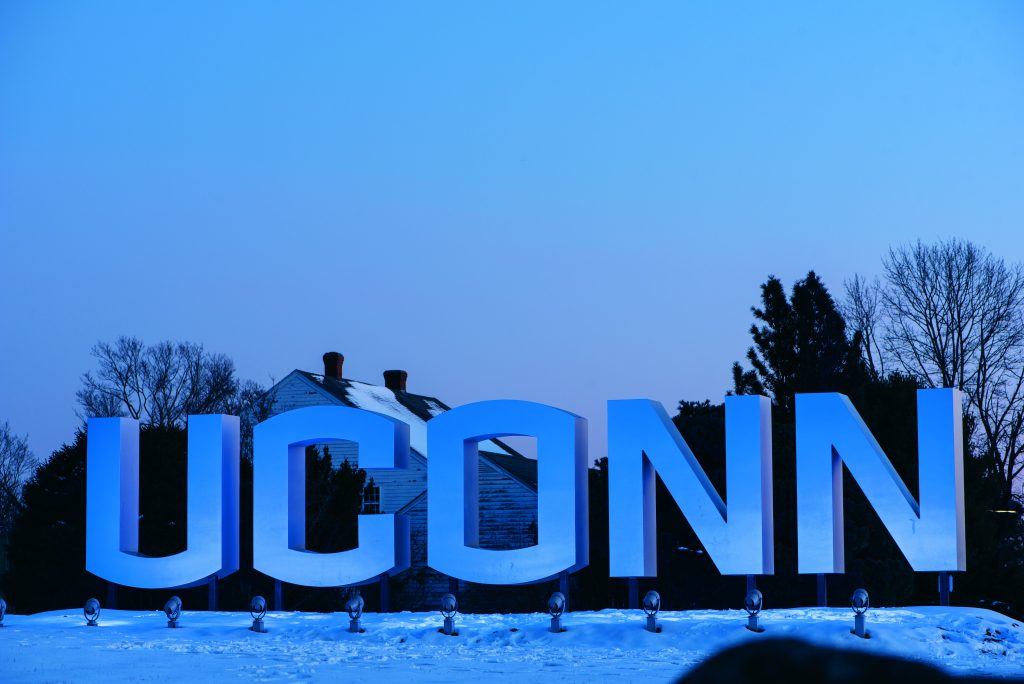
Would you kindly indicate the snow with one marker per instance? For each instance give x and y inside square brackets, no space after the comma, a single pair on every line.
[382,400]
[608,645]
[435,408]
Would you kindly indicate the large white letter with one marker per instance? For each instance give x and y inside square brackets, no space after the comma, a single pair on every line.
[279,497]
[453,501]
[642,439]
[112,505]
[829,433]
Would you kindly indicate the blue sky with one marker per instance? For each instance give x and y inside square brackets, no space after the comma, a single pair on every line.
[561,202]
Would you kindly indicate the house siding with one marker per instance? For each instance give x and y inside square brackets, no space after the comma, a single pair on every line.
[508,509]
[506,521]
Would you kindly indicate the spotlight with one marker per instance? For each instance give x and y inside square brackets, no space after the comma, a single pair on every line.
[556,606]
[92,612]
[354,608]
[258,608]
[3,611]
[652,604]
[860,603]
[172,609]
[449,607]
[752,604]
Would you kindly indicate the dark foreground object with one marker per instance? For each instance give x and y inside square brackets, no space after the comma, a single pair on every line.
[790,660]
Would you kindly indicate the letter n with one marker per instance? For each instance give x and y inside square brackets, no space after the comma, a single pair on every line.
[829,433]
[642,440]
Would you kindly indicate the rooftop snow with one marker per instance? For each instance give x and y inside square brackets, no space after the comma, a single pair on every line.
[382,400]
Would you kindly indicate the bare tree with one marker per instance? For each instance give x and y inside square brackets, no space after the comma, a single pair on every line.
[16,464]
[118,388]
[863,312]
[253,404]
[183,378]
[162,384]
[955,318]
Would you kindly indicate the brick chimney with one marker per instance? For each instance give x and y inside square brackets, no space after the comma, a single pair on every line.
[333,362]
[395,380]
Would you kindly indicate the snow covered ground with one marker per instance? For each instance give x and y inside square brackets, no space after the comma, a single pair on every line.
[609,645]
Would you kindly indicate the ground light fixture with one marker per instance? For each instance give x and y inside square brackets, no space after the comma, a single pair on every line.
[860,603]
[92,612]
[3,611]
[449,607]
[258,608]
[752,604]
[172,609]
[354,608]
[651,605]
[556,607]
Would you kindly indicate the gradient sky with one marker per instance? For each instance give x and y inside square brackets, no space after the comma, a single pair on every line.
[560,202]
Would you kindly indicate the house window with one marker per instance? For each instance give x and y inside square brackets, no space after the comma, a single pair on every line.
[371,498]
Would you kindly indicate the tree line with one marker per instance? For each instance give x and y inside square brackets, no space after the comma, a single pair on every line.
[945,314]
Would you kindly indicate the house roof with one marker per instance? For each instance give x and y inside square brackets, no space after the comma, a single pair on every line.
[353,393]
[416,410]
[517,465]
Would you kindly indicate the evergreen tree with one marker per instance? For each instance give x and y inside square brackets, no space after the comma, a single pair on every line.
[47,543]
[801,346]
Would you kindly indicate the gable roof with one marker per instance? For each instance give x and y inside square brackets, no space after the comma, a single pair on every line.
[415,410]
[516,465]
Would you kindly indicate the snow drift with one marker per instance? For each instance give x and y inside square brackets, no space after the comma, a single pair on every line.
[607,645]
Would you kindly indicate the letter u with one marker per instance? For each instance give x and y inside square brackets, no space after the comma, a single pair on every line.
[112,505]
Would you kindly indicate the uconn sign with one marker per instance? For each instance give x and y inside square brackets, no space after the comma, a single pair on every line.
[736,529]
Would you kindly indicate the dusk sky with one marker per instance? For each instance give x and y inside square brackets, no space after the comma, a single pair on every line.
[559,202]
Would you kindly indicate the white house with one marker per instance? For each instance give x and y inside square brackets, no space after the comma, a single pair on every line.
[507,480]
